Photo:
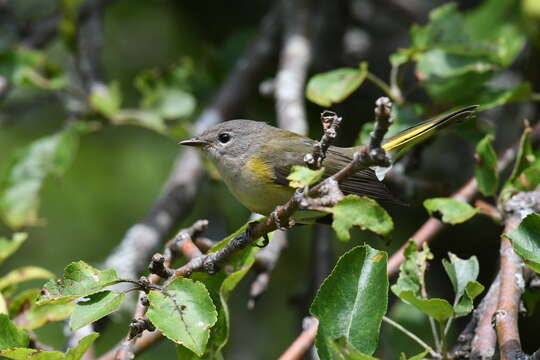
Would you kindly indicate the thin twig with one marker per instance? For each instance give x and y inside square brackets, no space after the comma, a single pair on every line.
[412,336]
[302,343]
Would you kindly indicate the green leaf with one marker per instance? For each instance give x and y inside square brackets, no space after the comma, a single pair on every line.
[75,353]
[335,86]
[301,176]
[439,309]
[411,277]
[82,347]
[107,100]
[455,66]
[526,241]
[485,169]
[525,155]
[10,335]
[461,272]
[529,178]
[463,275]
[184,313]
[352,301]
[8,247]
[220,285]
[31,68]
[342,349]
[20,186]
[452,211]
[80,279]
[31,316]
[363,212]
[26,354]
[490,97]
[24,274]
[94,307]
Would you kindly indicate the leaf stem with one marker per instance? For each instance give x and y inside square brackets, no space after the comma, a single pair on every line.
[412,336]
[397,98]
[431,320]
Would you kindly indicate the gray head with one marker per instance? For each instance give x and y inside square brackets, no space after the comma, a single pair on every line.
[231,139]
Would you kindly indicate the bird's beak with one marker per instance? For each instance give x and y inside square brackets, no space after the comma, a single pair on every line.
[194,142]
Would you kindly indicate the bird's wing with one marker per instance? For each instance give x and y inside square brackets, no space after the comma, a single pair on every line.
[362,183]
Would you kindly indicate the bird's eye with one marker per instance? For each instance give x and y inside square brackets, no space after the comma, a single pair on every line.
[224,138]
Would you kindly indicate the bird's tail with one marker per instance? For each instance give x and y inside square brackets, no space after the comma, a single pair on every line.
[401,142]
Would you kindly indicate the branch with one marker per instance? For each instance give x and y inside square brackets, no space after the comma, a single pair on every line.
[512,277]
[303,342]
[293,65]
[89,41]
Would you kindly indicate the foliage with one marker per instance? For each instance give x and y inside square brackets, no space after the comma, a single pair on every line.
[458,58]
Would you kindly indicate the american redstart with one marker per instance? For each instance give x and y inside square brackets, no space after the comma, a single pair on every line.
[254,159]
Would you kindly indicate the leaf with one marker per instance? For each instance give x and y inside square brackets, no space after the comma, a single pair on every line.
[82,347]
[335,86]
[352,301]
[10,335]
[75,353]
[455,66]
[80,279]
[342,349]
[24,274]
[452,211]
[8,247]
[485,169]
[94,307]
[411,269]
[220,285]
[411,277]
[525,155]
[31,68]
[461,272]
[33,354]
[363,212]
[463,275]
[176,104]
[184,313]
[439,309]
[28,315]
[490,97]
[301,176]
[526,241]
[107,100]
[20,186]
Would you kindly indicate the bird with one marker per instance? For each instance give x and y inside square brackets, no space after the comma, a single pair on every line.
[254,159]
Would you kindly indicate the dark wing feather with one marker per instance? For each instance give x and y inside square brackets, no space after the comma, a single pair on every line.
[362,183]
